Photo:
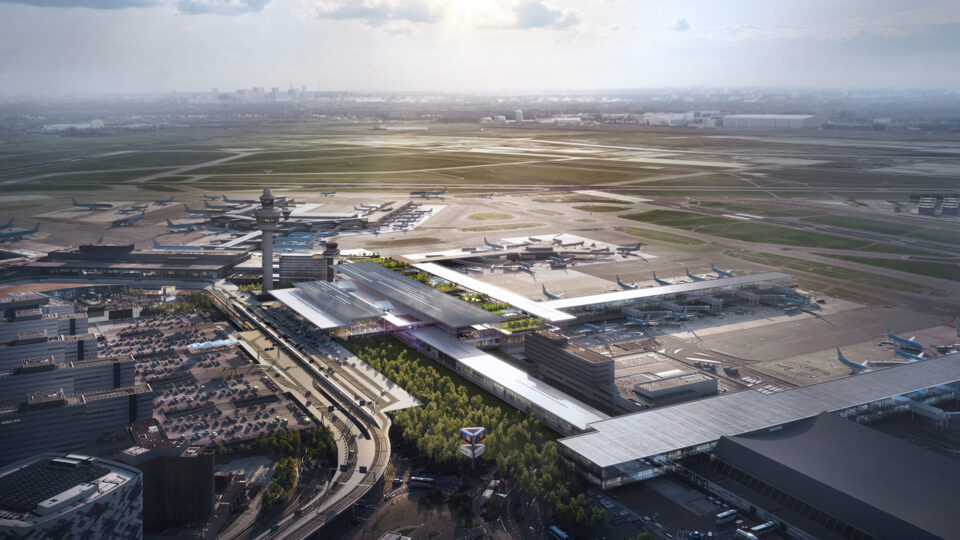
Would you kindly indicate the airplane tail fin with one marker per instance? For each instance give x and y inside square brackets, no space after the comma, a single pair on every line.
[155,243]
[9,223]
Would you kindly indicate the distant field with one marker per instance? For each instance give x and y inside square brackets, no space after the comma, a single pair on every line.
[661,236]
[601,208]
[759,233]
[504,227]
[490,216]
[374,164]
[317,154]
[828,271]
[884,227]
[937,270]
[759,209]
[128,161]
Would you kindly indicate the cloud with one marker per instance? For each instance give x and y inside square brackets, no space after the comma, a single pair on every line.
[92,4]
[681,25]
[378,12]
[537,14]
[221,7]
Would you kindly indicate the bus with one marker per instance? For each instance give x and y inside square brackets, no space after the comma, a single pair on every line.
[420,481]
[726,517]
[556,533]
[762,529]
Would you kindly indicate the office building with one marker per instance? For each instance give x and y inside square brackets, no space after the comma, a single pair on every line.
[65,497]
[38,344]
[309,267]
[76,377]
[52,420]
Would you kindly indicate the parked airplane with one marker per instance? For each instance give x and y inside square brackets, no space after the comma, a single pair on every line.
[660,281]
[190,226]
[634,320]
[237,201]
[629,249]
[429,194]
[226,229]
[328,193]
[206,204]
[493,245]
[8,224]
[904,343]
[189,210]
[156,245]
[801,301]
[100,240]
[594,329]
[625,286]
[692,276]
[905,354]
[721,273]
[13,236]
[92,206]
[162,202]
[486,195]
[128,222]
[132,210]
[210,197]
[518,263]
[549,294]
[325,234]
[854,367]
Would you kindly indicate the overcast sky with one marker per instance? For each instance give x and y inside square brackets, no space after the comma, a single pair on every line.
[59,46]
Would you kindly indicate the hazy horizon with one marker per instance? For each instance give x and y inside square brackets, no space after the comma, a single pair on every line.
[463,46]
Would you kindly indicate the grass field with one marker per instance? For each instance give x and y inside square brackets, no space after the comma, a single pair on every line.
[828,271]
[543,212]
[736,229]
[759,209]
[489,216]
[504,227]
[936,270]
[600,208]
[661,236]
[884,227]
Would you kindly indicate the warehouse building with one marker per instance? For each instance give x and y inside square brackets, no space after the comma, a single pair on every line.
[771,121]
[57,496]
[125,262]
[830,477]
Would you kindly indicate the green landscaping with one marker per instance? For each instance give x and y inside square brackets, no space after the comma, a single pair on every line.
[931,269]
[523,449]
[828,271]
[504,227]
[661,236]
[601,208]
[746,231]
[489,216]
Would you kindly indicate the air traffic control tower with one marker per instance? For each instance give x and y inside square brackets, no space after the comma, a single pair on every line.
[268,216]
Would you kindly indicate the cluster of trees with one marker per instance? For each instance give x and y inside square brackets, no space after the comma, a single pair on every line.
[483,301]
[279,444]
[257,286]
[185,304]
[322,445]
[527,323]
[284,478]
[386,262]
[520,445]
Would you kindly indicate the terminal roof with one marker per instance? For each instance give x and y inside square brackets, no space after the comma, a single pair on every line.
[417,296]
[342,303]
[663,430]
[514,380]
[650,292]
[23,489]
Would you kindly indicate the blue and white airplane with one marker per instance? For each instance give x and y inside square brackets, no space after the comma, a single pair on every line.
[7,225]
[237,201]
[92,206]
[549,294]
[904,343]
[693,276]
[156,245]
[429,194]
[162,202]
[206,204]
[681,316]
[191,226]
[13,236]
[594,329]
[634,320]
[721,273]
[660,281]
[629,249]
[905,354]
[625,286]
[486,195]
[493,245]
[226,229]
[189,210]
[518,263]
[800,301]
[210,197]
[855,367]
[328,193]
[326,234]
[128,221]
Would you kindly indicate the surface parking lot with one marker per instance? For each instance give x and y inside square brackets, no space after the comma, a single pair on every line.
[206,398]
